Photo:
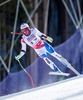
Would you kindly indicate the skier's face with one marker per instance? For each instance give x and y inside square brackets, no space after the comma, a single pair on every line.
[26,31]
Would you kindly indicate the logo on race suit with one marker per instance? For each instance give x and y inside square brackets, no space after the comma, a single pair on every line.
[33,40]
[31,37]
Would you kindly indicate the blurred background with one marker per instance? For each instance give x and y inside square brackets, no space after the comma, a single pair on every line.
[60,19]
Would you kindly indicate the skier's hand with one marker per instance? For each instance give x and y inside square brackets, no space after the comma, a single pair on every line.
[49,39]
[18,57]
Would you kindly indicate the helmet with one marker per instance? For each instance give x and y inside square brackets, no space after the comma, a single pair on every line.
[24,25]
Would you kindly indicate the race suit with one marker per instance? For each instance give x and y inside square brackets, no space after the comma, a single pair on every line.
[40,46]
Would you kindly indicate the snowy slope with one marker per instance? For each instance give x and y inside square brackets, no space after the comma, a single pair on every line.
[69,89]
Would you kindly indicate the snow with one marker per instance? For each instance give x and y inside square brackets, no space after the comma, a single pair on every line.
[69,89]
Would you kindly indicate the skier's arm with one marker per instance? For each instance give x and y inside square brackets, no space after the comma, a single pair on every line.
[23,50]
[43,36]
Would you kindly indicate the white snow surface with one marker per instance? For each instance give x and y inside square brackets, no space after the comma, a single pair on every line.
[68,89]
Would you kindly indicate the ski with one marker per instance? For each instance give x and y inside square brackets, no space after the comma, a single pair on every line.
[59,73]
[67,64]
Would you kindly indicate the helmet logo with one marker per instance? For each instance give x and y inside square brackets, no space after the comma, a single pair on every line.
[24,25]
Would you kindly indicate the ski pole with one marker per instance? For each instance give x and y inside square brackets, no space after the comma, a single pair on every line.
[26,73]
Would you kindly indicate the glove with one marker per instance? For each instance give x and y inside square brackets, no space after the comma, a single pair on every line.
[18,57]
[49,39]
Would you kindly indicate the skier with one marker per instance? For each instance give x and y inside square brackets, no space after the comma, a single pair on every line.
[35,39]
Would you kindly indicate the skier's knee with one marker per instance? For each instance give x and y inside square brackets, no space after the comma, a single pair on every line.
[43,56]
[47,60]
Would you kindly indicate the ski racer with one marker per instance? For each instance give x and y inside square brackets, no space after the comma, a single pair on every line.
[37,40]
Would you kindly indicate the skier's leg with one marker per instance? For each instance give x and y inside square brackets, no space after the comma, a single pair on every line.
[52,52]
[50,63]
[42,52]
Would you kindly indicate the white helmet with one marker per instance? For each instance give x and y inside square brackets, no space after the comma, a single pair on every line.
[24,25]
